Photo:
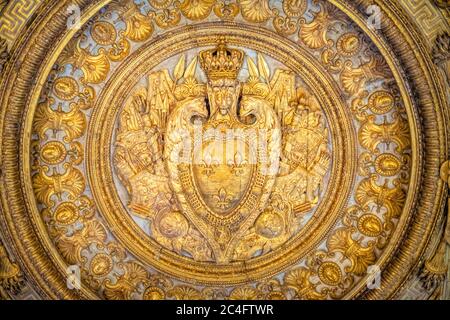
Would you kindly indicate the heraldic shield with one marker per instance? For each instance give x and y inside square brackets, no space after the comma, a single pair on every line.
[222,153]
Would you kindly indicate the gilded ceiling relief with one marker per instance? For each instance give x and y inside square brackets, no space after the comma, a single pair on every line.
[264,110]
[221,205]
[208,149]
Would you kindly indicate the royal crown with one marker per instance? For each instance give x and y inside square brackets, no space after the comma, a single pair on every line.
[221,62]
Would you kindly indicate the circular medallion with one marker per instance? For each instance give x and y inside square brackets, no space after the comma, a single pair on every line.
[387,165]
[349,44]
[330,273]
[53,152]
[66,213]
[370,225]
[269,225]
[173,225]
[104,33]
[66,88]
[101,265]
[381,102]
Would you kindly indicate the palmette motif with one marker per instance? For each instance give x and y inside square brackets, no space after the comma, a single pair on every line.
[196,9]
[256,10]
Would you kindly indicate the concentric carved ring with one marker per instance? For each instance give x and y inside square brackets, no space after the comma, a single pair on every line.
[101,169]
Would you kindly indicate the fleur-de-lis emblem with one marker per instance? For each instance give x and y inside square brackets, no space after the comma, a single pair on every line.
[223,199]
[208,165]
[237,164]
